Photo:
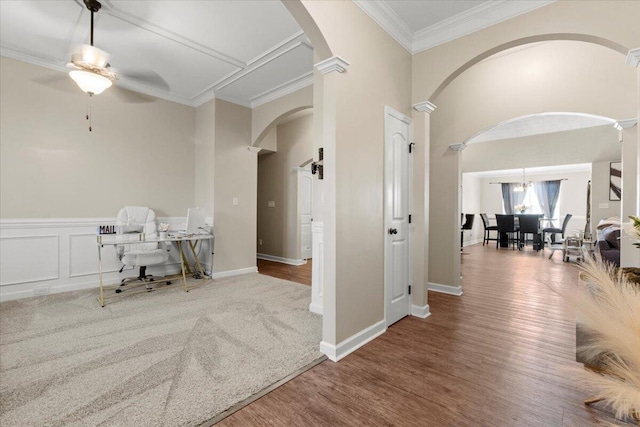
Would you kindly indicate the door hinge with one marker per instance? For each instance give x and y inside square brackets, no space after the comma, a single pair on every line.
[411,147]
[409,219]
[409,289]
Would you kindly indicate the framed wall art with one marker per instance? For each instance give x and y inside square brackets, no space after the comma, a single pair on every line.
[615,180]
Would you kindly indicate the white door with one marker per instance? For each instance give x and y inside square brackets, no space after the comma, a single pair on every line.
[397,193]
[304,198]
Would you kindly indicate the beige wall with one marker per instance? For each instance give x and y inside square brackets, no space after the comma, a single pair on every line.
[205,156]
[53,167]
[235,171]
[553,76]
[379,75]
[265,117]
[587,145]
[278,182]
[614,21]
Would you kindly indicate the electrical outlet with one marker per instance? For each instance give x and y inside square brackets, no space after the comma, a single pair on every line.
[235,201]
[271,204]
[603,205]
[41,290]
[260,242]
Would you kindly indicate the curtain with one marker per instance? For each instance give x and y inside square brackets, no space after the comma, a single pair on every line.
[511,198]
[547,193]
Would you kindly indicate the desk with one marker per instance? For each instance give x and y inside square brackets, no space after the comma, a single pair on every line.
[135,238]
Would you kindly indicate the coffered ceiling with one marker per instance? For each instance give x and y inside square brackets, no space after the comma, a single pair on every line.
[245,51]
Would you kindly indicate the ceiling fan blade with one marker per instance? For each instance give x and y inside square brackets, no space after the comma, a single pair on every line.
[147,77]
[131,97]
[60,82]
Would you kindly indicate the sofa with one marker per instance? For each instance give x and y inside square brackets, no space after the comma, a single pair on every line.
[608,245]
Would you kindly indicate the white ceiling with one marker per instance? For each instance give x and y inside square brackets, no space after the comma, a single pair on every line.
[541,170]
[247,52]
[537,124]
[421,25]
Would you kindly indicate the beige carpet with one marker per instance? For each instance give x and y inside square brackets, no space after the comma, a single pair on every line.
[165,358]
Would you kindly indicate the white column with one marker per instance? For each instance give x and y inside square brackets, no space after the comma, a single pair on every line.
[317,250]
[422,123]
[327,74]
[629,254]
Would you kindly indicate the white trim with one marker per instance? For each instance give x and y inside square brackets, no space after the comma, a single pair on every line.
[477,18]
[625,124]
[233,99]
[633,57]
[335,63]
[54,276]
[265,59]
[421,312]
[315,308]
[12,223]
[445,289]
[473,242]
[354,342]
[283,90]
[254,149]
[237,272]
[388,19]
[425,106]
[458,147]
[288,261]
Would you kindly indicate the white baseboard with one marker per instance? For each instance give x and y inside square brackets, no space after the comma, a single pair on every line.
[288,261]
[445,289]
[472,242]
[315,308]
[421,312]
[354,342]
[237,272]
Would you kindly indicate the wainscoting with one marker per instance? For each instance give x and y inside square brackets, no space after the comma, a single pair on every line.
[42,256]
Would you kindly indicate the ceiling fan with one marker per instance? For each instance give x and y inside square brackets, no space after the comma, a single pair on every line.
[90,67]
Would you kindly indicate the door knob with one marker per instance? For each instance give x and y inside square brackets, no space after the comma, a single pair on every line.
[393,231]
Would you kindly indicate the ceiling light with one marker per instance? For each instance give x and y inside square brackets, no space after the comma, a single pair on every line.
[91,83]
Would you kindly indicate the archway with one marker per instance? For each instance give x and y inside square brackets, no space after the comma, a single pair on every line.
[492,89]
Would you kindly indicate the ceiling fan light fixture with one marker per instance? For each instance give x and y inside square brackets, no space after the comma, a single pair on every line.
[91,83]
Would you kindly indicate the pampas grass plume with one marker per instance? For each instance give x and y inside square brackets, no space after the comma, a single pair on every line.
[609,308]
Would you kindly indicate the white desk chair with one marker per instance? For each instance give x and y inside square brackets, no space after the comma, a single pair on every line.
[136,220]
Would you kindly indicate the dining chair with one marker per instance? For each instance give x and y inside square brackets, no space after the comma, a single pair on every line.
[554,230]
[487,229]
[468,225]
[507,226]
[530,224]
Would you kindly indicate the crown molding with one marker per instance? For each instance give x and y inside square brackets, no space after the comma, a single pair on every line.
[477,18]
[282,90]
[253,149]
[633,57]
[625,124]
[335,63]
[233,99]
[383,15]
[426,107]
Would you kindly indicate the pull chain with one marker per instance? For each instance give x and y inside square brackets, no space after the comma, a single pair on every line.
[89,111]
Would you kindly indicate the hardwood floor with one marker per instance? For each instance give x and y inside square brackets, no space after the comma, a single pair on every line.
[293,273]
[497,356]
